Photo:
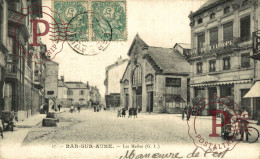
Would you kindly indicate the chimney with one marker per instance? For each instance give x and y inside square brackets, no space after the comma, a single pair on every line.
[62,78]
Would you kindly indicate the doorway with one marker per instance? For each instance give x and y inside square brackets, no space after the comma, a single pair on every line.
[126,101]
[212,98]
[149,102]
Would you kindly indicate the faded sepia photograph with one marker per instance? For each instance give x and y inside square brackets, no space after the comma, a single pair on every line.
[129,79]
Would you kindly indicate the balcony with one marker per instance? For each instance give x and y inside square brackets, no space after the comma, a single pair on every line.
[38,82]
[221,47]
[11,71]
[16,18]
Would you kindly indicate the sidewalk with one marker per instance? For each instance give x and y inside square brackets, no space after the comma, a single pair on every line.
[21,130]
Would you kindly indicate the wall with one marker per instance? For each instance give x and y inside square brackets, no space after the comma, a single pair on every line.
[51,79]
[114,76]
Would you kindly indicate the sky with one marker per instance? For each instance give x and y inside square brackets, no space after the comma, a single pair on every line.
[160,23]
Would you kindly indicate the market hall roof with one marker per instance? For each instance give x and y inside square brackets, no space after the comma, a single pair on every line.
[163,60]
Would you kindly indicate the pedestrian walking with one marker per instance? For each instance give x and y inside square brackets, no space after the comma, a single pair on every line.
[79,108]
[183,114]
[188,112]
[123,112]
[135,112]
[130,112]
[119,112]
[71,109]
[244,124]
[95,108]
[59,106]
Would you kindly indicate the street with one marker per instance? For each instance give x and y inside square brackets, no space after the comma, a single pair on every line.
[118,134]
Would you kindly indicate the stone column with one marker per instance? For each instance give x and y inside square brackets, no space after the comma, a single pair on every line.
[192,94]
[219,95]
[206,112]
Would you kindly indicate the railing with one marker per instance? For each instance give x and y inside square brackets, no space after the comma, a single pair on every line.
[214,48]
[11,70]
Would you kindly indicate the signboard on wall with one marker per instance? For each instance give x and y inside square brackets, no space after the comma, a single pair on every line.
[175,82]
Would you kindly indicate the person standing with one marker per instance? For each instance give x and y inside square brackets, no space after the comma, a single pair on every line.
[244,123]
[79,108]
[183,113]
[59,106]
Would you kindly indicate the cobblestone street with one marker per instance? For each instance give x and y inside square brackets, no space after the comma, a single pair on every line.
[168,131]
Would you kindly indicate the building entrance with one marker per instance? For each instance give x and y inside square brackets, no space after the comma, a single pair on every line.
[149,102]
[212,98]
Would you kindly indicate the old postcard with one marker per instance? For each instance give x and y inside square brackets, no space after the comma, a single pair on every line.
[129,79]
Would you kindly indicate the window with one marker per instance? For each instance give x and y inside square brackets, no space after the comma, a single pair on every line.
[200,20]
[226,63]
[175,82]
[213,37]
[199,67]
[212,15]
[245,61]
[70,92]
[245,28]
[245,2]
[228,31]
[201,43]
[212,65]
[50,92]
[226,10]
[137,78]
[81,92]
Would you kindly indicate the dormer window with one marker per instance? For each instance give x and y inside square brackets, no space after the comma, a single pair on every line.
[200,20]
[212,15]
[245,2]
[226,10]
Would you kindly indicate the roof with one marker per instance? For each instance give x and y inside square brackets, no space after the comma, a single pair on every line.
[76,85]
[117,63]
[209,4]
[61,84]
[183,45]
[168,60]
[139,41]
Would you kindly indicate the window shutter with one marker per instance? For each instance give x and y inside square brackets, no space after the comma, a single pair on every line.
[228,31]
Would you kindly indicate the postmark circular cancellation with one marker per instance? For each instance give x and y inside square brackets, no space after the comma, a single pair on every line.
[92,25]
[208,133]
[35,51]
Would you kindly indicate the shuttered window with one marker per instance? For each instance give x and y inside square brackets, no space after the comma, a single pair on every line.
[213,36]
[245,28]
[228,31]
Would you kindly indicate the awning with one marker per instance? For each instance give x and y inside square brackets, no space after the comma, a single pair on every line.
[254,91]
[219,83]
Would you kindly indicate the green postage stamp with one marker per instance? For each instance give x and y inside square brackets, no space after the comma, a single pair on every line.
[90,20]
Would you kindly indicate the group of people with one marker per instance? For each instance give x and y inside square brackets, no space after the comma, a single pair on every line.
[72,108]
[236,122]
[97,108]
[121,112]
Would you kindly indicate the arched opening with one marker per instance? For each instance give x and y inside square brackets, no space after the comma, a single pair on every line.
[149,82]
[137,87]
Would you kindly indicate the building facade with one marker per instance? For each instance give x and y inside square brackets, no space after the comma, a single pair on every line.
[114,74]
[221,42]
[51,83]
[155,79]
[21,81]
[95,97]
[78,93]
[63,93]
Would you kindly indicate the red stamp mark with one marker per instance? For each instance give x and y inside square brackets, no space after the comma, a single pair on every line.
[21,31]
[222,130]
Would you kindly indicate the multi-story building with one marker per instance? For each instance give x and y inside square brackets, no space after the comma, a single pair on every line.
[62,93]
[51,83]
[114,73]
[20,87]
[221,42]
[155,79]
[78,93]
[3,48]
[95,97]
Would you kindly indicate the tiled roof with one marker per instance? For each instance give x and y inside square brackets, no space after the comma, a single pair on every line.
[169,60]
[76,85]
[209,4]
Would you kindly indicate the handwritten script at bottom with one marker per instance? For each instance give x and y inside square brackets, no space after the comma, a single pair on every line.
[195,153]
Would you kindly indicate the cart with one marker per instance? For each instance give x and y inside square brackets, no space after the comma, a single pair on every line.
[7,118]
